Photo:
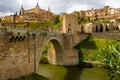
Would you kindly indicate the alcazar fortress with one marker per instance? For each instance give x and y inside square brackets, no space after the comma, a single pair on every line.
[34,14]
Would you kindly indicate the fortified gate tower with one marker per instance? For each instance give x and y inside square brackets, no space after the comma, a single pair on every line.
[70,23]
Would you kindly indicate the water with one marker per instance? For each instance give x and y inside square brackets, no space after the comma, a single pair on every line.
[72,73]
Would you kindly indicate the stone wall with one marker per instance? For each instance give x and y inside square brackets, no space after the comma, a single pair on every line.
[15,59]
[99,27]
[107,35]
[70,23]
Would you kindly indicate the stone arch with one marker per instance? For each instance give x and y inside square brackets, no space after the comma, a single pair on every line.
[82,29]
[101,28]
[106,28]
[58,52]
[96,28]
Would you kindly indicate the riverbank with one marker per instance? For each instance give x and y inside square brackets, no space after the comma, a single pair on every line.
[32,76]
[96,64]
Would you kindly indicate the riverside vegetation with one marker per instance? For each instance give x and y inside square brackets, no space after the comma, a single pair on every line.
[104,51]
[110,55]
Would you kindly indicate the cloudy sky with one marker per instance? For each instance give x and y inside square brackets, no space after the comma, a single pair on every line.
[8,7]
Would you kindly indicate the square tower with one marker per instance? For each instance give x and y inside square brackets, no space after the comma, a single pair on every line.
[70,23]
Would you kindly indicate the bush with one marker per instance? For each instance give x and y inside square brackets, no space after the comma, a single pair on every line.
[110,55]
[43,24]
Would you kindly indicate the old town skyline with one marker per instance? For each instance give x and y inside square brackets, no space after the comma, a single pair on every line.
[57,6]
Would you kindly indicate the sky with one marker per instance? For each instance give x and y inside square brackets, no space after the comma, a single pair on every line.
[8,7]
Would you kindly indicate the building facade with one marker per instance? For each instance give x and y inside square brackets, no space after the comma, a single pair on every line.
[34,14]
[101,14]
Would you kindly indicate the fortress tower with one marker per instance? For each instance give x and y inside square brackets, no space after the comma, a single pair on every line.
[37,8]
[22,11]
[70,23]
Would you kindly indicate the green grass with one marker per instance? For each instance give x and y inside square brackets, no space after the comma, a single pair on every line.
[89,48]
[44,53]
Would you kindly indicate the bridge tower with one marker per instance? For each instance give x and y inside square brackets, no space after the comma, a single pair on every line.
[70,23]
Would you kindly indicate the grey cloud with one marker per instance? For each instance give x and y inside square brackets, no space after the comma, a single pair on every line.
[56,6]
[8,6]
[90,3]
[62,6]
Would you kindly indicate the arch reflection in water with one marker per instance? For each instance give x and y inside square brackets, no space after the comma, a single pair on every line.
[72,73]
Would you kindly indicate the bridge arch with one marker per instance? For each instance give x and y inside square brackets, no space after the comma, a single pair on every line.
[58,55]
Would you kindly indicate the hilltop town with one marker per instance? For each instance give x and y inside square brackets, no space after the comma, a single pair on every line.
[106,18]
[37,14]
[105,13]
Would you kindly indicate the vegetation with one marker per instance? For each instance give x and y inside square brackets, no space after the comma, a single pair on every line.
[44,54]
[103,50]
[110,55]
[44,24]
[118,20]
[20,25]
[33,76]
[102,21]
[83,21]
[90,47]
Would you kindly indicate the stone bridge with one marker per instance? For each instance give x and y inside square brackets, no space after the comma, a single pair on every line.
[20,51]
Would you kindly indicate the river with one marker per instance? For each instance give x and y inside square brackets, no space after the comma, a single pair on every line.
[72,73]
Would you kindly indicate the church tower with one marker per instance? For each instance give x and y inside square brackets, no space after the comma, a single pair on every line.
[22,11]
[37,8]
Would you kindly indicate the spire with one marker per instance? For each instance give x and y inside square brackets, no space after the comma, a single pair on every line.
[37,5]
[22,7]
[49,9]
[92,9]
[21,10]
